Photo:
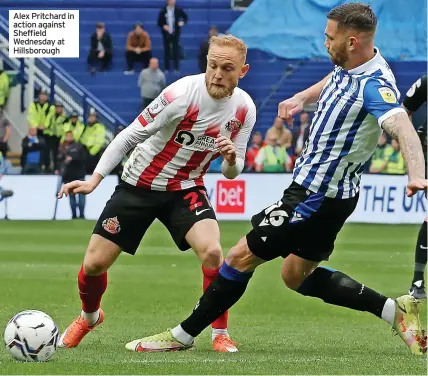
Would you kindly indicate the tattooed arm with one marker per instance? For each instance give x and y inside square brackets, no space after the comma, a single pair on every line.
[399,127]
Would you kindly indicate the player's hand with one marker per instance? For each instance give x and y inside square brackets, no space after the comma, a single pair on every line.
[77,186]
[181,24]
[101,54]
[290,107]
[227,148]
[166,28]
[416,185]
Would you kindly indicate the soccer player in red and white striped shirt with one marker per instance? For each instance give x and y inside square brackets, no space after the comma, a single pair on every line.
[193,121]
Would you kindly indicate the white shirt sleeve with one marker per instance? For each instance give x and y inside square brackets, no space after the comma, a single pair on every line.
[168,109]
[241,142]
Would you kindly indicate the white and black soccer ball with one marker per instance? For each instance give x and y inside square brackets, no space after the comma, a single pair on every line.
[31,336]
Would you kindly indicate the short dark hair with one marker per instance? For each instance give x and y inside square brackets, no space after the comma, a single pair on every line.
[138,25]
[354,16]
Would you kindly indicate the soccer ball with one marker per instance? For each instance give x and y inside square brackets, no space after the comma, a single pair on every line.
[31,336]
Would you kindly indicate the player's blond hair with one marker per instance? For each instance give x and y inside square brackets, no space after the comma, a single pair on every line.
[230,40]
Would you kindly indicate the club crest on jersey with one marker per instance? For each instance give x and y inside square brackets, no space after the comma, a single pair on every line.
[157,105]
[111,225]
[233,125]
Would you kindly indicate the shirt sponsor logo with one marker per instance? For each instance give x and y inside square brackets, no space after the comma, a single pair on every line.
[188,140]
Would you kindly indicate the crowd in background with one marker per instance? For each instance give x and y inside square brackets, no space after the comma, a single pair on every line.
[138,47]
[69,146]
[279,149]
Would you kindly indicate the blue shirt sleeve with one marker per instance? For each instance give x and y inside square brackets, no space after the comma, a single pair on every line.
[379,99]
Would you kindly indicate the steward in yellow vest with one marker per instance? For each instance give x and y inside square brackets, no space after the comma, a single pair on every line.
[4,88]
[38,113]
[93,138]
[73,125]
[53,129]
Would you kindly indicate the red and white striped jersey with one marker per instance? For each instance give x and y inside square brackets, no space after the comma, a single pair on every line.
[175,135]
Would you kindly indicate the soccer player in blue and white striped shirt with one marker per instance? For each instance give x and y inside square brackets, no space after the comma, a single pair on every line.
[355,102]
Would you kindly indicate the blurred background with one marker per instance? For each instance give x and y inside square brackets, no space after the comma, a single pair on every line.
[130,50]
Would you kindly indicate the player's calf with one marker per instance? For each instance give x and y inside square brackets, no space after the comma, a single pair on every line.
[295,270]
[339,289]
[92,283]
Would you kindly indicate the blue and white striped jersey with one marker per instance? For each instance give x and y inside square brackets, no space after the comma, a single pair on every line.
[346,128]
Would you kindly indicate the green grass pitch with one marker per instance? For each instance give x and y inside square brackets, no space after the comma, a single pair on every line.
[279,331]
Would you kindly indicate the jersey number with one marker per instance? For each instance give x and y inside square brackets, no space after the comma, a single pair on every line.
[195,199]
[273,216]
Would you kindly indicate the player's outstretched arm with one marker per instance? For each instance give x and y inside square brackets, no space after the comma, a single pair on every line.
[399,127]
[292,106]
[311,94]
[80,186]
[166,110]
[111,157]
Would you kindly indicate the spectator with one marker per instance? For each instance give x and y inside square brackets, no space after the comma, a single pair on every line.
[280,132]
[32,151]
[72,158]
[257,143]
[171,19]
[151,82]
[101,49]
[203,50]
[5,130]
[381,155]
[396,164]
[93,138]
[138,48]
[53,127]
[75,126]
[301,133]
[4,193]
[4,88]
[272,157]
[39,111]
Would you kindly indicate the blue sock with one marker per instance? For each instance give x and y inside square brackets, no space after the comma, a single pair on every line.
[234,275]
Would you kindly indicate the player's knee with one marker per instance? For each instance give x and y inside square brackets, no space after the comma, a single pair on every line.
[94,267]
[94,262]
[292,279]
[241,258]
[212,256]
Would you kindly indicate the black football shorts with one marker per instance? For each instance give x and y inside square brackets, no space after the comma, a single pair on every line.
[302,223]
[131,210]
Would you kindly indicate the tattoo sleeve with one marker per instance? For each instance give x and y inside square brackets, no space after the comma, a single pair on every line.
[400,128]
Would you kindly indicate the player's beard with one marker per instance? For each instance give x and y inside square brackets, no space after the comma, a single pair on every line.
[218,92]
[339,56]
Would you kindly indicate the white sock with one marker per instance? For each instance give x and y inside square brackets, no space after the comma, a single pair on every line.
[181,336]
[92,317]
[216,332]
[388,311]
